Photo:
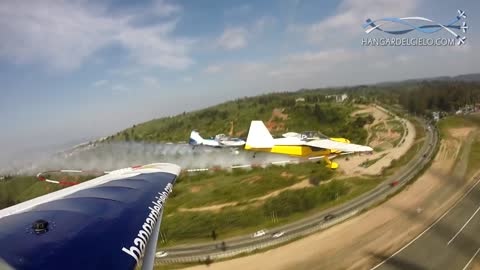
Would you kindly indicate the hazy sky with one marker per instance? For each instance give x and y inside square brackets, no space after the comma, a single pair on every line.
[78,69]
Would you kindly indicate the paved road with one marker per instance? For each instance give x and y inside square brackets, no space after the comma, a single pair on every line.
[311,224]
[452,242]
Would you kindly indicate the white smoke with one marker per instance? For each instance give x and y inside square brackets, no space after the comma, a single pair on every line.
[112,156]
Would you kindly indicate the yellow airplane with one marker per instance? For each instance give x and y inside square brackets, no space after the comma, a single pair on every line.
[309,144]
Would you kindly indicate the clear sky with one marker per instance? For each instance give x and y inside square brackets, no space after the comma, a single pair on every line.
[71,70]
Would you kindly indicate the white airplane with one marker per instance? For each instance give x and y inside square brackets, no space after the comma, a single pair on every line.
[220,140]
[309,144]
[228,141]
[464,27]
[110,222]
[461,14]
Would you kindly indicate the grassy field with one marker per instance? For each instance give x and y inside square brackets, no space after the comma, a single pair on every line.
[290,205]
[21,188]
[454,122]
[17,189]
[240,188]
[204,189]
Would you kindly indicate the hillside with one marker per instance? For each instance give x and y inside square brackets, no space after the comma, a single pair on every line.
[280,111]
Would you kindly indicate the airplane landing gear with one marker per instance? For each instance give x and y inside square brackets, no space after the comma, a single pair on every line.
[330,164]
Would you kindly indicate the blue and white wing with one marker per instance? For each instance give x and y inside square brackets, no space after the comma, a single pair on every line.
[110,222]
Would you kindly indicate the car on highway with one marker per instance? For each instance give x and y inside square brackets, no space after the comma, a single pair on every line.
[259,233]
[328,217]
[278,234]
[161,254]
[394,183]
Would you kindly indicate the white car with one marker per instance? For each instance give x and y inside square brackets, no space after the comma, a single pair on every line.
[161,254]
[278,234]
[259,233]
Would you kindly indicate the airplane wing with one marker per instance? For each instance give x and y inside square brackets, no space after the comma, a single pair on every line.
[110,222]
[339,146]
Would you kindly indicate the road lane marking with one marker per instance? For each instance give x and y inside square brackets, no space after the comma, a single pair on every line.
[471,260]
[427,229]
[463,227]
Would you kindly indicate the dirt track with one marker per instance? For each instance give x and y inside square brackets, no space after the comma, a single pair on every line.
[351,167]
[359,242]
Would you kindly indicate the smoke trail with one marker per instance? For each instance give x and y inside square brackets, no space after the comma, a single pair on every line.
[111,156]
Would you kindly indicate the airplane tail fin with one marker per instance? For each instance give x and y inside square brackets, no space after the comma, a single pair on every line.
[195,138]
[258,136]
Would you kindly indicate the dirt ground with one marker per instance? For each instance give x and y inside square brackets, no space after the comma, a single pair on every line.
[356,243]
[476,264]
[272,125]
[351,167]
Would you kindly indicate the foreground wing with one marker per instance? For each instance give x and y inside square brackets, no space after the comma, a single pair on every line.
[339,146]
[104,223]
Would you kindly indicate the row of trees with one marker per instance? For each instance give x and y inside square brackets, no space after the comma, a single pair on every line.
[438,96]
[419,97]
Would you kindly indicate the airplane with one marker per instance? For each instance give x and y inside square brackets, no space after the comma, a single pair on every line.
[228,141]
[464,27]
[461,14]
[220,140]
[110,222]
[259,139]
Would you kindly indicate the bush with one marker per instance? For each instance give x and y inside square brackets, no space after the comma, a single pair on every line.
[314,180]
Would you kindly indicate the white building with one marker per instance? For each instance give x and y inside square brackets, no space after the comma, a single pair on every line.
[338,98]
[436,116]
[342,98]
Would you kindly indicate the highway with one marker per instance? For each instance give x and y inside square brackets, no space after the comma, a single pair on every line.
[451,242]
[301,228]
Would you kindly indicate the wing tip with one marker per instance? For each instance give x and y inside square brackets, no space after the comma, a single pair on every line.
[160,167]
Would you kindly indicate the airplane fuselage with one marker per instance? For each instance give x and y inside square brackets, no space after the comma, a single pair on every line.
[294,147]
